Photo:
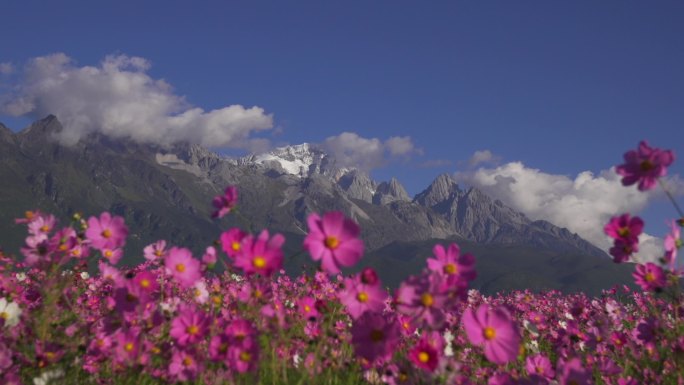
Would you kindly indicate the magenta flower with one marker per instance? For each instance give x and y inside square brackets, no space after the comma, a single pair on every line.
[423,299]
[645,166]
[334,240]
[673,242]
[625,231]
[452,265]
[359,297]
[225,203]
[573,373]
[189,327]
[426,353]
[375,336]
[649,276]
[307,307]
[494,329]
[540,365]
[184,365]
[107,232]
[183,267]
[231,241]
[624,227]
[261,255]
[155,250]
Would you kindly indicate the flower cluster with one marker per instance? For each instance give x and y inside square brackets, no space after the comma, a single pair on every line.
[172,319]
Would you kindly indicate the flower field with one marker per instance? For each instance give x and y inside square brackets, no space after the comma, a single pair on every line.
[232,316]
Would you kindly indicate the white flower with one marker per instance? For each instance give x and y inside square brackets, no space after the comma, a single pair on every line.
[46,377]
[85,275]
[10,312]
[21,277]
[200,292]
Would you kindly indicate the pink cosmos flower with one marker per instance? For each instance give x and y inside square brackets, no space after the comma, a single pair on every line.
[423,299]
[673,242]
[375,336]
[155,250]
[426,353]
[244,356]
[649,276]
[645,166]
[225,203]
[183,267]
[42,225]
[189,327]
[452,265]
[112,255]
[261,255]
[107,232]
[625,231]
[231,241]
[184,365]
[540,365]
[307,306]
[574,373]
[359,297]
[494,329]
[334,240]
[624,227]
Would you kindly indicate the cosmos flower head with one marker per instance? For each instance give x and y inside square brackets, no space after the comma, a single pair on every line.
[644,166]
[225,203]
[333,240]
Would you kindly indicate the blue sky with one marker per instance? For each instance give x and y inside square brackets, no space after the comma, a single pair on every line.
[563,87]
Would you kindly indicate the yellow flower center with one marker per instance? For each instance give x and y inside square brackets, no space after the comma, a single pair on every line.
[423,357]
[623,232]
[377,335]
[180,267]
[539,370]
[50,355]
[649,277]
[258,293]
[29,215]
[108,253]
[235,246]
[362,296]
[129,346]
[332,242]
[489,333]
[145,283]
[158,253]
[307,308]
[187,361]
[45,228]
[192,330]
[63,247]
[216,299]
[450,268]
[76,252]
[4,315]
[245,357]
[106,233]
[259,262]
[427,300]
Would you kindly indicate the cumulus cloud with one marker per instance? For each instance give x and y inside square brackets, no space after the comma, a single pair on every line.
[6,68]
[583,204]
[352,150]
[483,157]
[120,99]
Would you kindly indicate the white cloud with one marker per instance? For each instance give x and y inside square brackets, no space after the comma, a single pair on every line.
[119,99]
[352,150]
[6,68]
[583,204]
[483,157]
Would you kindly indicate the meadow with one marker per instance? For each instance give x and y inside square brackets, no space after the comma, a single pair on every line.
[231,316]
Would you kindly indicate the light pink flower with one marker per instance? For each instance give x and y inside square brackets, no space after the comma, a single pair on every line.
[261,255]
[334,240]
[106,232]
[183,267]
[494,329]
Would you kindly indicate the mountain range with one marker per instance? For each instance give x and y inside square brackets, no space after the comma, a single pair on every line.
[165,193]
